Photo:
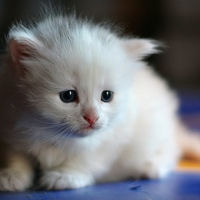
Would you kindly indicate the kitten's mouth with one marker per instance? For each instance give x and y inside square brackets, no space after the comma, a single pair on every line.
[87,130]
[89,127]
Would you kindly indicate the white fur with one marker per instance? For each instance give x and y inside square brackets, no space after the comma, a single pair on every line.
[135,134]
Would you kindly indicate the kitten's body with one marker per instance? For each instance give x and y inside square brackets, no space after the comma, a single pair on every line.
[134,135]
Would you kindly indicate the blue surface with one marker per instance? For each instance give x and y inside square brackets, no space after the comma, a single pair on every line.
[177,186]
[189,102]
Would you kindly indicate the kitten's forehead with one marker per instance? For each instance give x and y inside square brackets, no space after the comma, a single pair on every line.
[82,54]
[88,57]
[86,70]
[93,65]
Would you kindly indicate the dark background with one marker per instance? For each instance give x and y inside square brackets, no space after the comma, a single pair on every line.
[175,22]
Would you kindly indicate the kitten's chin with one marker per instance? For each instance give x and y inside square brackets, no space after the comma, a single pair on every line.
[87,131]
[84,133]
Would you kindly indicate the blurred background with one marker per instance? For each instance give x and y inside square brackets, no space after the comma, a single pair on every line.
[175,22]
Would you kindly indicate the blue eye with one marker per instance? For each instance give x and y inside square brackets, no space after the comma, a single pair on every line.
[68,96]
[106,96]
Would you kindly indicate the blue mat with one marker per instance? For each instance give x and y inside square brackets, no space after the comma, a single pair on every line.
[177,186]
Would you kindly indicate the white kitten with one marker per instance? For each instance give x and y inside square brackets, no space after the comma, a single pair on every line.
[77,99]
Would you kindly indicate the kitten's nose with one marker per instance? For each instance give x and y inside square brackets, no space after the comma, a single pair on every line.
[91,119]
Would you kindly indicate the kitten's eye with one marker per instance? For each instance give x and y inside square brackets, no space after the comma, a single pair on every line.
[68,96]
[106,96]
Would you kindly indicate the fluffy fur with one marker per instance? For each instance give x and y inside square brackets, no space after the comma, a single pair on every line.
[136,134]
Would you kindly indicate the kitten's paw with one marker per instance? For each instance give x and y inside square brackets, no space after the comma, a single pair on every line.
[154,171]
[53,180]
[13,180]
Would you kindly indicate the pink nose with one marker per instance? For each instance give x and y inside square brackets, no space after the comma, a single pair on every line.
[90,119]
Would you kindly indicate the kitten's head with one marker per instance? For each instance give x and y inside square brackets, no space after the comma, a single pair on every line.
[74,73]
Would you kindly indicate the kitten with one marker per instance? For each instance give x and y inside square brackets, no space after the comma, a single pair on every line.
[78,99]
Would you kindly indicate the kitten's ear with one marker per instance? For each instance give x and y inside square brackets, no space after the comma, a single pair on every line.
[23,46]
[139,48]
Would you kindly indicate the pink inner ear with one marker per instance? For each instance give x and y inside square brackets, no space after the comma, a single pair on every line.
[19,51]
[139,48]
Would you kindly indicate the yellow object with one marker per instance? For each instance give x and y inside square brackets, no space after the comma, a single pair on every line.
[188,165]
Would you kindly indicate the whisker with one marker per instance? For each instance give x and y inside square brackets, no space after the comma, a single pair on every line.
[59,141]
[62,150]
[39,127]
[51,139]
[44,122]
[56,135]
[54,138]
